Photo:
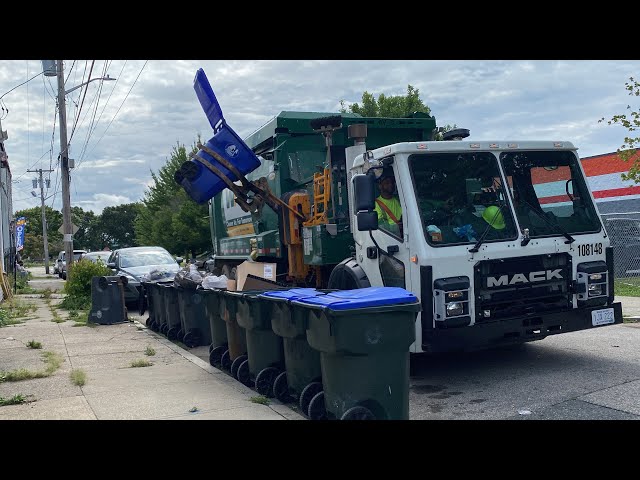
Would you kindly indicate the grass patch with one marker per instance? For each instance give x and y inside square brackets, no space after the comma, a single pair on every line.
[140,363]
[12,310]
[34,344]
[78,377]
[72,303]
[52,359]
[15,400]
[149,351]
[46,293]
[626,289]
[262,400]
[56,316]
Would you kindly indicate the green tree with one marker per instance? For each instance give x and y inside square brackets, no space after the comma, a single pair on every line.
[33,242]
[85,221]
[628,151]
[395,106]
[116,225]
[168,217]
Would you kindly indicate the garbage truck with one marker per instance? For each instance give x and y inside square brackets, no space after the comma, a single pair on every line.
[501,240]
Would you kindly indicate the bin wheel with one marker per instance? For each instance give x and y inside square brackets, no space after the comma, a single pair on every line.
[236,363]
[189,340]
[172,333]
[307,394]
[154,326]
[358,413]
[225,361]
[265,379]
[180,336]
[281,388]
[215,357]
[149,321]
[317,410]
[243,374]
[163,328]
[211,347]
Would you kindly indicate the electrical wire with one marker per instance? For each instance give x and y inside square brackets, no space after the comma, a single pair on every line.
[86,87]
[114,117]
[26,81]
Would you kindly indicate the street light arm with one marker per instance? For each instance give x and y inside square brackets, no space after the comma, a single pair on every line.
[85,83]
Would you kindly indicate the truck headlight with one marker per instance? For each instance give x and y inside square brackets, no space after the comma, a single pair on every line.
[451,301]
[592,283]
[454,309]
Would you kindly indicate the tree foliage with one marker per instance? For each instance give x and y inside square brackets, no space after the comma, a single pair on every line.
[631,121]
[394,106]
[33,239]
[168,217]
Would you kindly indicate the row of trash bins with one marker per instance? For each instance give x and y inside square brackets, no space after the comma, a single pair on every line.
[340,354]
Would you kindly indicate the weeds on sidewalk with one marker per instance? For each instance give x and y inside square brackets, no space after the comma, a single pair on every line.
[52,359]
[15,400]
[140,363]
[12,311]
[34,344]
[46,293]
[149,351]
[262,400]
[78,377]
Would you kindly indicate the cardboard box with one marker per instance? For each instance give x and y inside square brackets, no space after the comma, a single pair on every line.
[259,269]
[231,285]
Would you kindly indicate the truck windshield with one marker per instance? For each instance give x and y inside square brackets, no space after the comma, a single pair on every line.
[549,184]
[461,197]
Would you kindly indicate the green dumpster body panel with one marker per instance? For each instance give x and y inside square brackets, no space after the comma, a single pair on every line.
[192,315]
[236,336]
[217,325]
[171,307]
[264,347]
[364,355]
[302,363]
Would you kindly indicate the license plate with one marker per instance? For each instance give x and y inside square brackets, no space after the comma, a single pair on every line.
[602,317]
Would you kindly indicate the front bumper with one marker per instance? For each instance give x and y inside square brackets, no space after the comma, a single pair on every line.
[513,331]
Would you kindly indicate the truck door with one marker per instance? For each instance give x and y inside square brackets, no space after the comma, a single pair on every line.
[393,266]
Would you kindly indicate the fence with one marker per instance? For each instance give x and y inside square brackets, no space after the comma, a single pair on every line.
[624,233]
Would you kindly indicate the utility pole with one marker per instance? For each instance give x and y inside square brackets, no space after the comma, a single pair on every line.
[64,172]
[44,221]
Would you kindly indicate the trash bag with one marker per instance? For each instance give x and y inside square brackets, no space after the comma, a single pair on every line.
[188,277]
[158,275]
[212,281]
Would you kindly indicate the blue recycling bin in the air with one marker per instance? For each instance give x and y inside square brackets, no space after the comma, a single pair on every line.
[200,183]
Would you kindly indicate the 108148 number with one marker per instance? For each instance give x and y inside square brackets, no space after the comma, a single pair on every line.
[590,249]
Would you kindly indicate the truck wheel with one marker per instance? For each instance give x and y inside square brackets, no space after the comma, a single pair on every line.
[229,271]
[348,275]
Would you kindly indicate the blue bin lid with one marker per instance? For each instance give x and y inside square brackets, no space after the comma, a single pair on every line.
[292,294]
[207,99]
[362,298]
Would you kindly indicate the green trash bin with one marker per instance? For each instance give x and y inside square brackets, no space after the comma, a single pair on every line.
[173,320]
[236,335]
[194,322]
[302,378]
[149,302]
[363,337]
[265,357]
[217,326]
[156,290]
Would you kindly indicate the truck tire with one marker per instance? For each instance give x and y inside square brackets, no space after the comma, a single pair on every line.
[229,271]
[348,275]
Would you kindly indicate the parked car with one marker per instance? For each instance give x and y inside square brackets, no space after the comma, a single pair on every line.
[100,255]
[134,262]
[57,266]
[77,255]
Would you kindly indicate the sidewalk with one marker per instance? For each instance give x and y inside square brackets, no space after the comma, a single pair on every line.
[177,385]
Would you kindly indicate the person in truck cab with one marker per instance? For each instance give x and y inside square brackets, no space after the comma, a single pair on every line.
[388,205]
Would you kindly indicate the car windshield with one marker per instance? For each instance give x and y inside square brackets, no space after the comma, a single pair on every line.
[145,257]
[549,193]
[461,198]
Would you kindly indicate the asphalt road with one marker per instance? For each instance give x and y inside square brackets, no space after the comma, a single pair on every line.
[586,375]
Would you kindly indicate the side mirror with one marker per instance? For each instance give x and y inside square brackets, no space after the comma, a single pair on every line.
[111,265]
[367,221]
[179,260]
[364,192]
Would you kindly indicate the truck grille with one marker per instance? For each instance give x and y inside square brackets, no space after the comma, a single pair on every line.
[522,287]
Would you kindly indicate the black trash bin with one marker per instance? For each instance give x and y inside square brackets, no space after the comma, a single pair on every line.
[236,337]
[107,300]
[217,326]
[173,321]
[363,337]
[264,348]
[195,324]
[147,302]
[302,378]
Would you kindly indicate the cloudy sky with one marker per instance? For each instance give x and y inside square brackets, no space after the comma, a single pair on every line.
[124,129]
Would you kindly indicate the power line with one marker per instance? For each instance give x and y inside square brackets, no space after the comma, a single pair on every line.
[26,81]
[125,98]
[86,87]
